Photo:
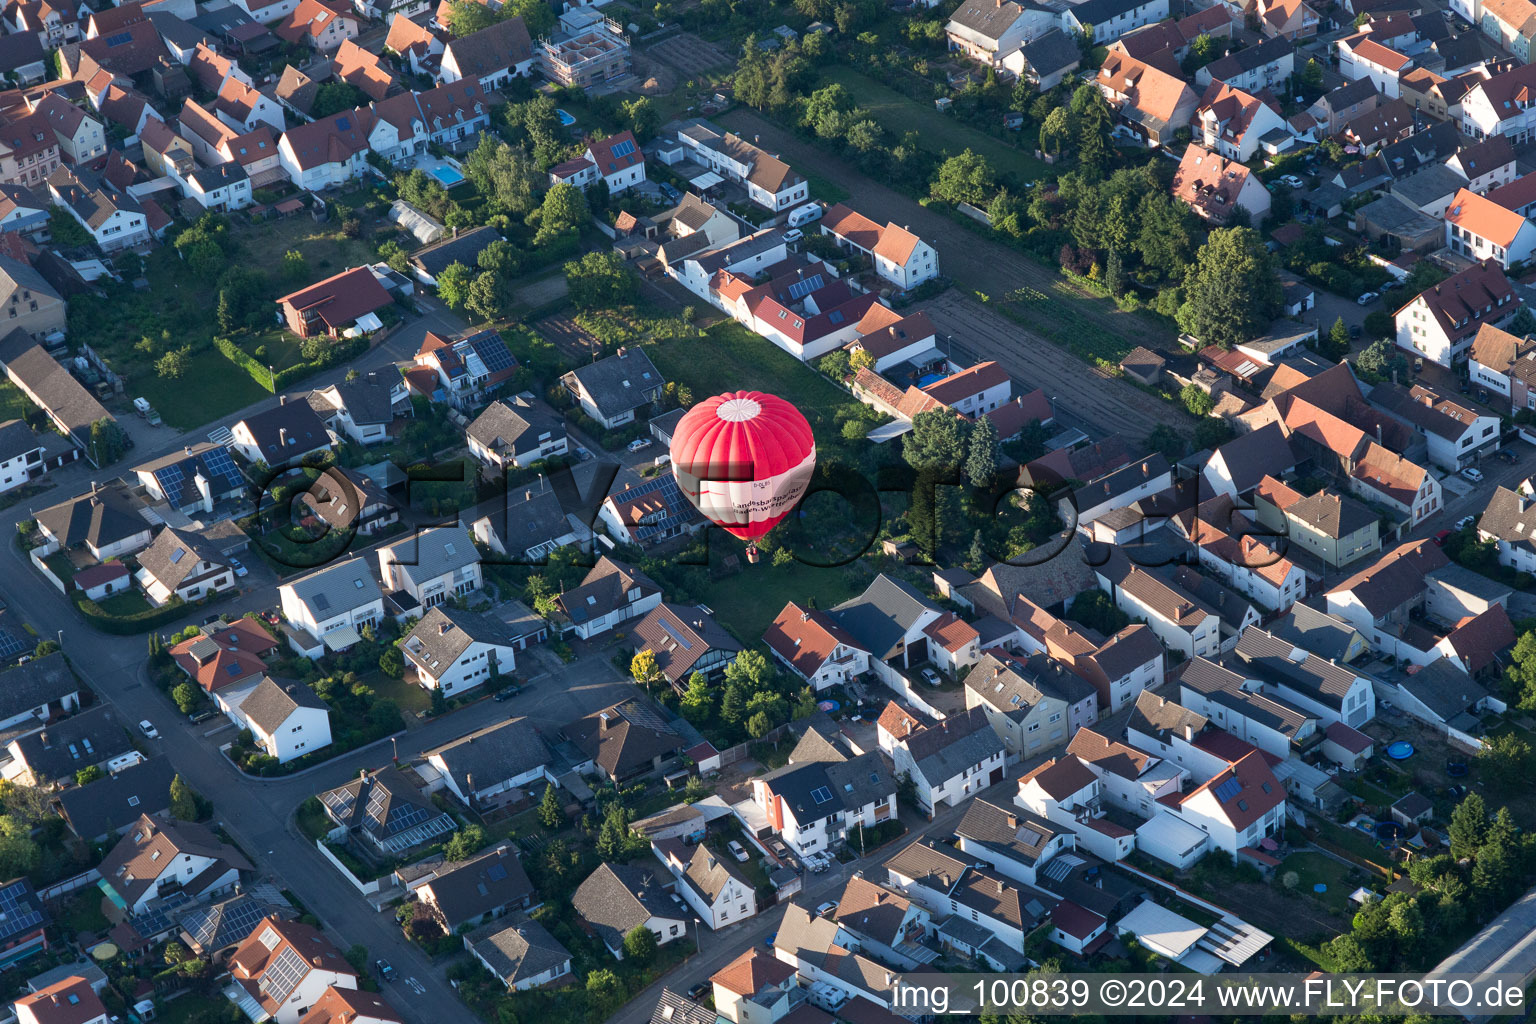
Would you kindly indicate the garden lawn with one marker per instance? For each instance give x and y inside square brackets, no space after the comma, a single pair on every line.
[730,357]
[220,388]
[13,404]
[748,602]
[129,602]
[313,821]
[1317,868]
[326,250]
[409,696]
[939,133]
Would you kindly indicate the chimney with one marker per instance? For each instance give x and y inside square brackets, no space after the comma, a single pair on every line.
[282,399]
[603,720]
[1013,820]
[1146,470]
[187,449]
[528,495]
[282,437]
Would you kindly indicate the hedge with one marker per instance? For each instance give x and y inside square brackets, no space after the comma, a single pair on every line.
[338,353]
[235,354]
[126,625]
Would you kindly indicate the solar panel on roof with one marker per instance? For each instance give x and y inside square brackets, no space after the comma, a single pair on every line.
[283,975]
[496,872]
[1227,790]
[803,287]
[494,354]
[685,644]
[322,602]
[119,38]
[622,148]
[15,915]
[10,644]
[821,794]
[177,555]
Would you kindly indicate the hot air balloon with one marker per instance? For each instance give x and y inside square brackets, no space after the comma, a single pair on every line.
[744,459]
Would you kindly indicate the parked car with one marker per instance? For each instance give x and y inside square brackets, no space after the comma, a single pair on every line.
[386,972]
[931,677]
[1294,181]
[1368,298]
[699,991]
[582,455]
[508,692]
[148,729]
[1473,473]
[202,716]
[1507,455]
[737,850]
[671,193]
[1441,537]
[1466,388]
[793,235]
[1389,286]
[825,908]
[240,570]
[1354,331]
[1465,521]
[640,444]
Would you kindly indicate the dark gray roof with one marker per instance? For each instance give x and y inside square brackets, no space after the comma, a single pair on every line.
[388,806]
[680,637]
[517,949]
[1332,514]
[1001,685]
[1429,147]
[465,249]
[948,748]
[522,520]
[366,397]
[304,431]
[666,423]
[174,556]
[1443,688]
[692,212]
[1271,659]
[816,789]
[431,553]
[707,872]
[229,922]
[272,702]
[1225,688]
[337,588]
[486,884]
[172,29]
[1464,50]
[879,617]
[603,589]
[1250,58]
[1155,716]
[1120,481]
[58,392]
[493,754]
[18,49]
[1314,631]
[112,804]
[929,863]
[211,179]
[502,45]
[64,746]
[988,18]
[514,426]
[616,898]
[340,495]
[102,519]
[17,276]
[1009,831]
[624,738]
[16,438]
[1252,456]
[1510,518]
[620,383]
[1052,52]
[92,199]
[445,633]
[672,1008]
[45,680]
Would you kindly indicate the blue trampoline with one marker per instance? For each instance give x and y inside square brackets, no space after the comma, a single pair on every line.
[829,706]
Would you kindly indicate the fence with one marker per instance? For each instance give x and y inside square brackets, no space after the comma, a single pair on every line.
[69,885]
[42,567]
[740,752]
[366,888]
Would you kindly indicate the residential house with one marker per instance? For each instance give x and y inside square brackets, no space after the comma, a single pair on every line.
[24,455]
[471,892]
[1361,56]
[649,513]
[1010,840]
[500,764]
[811,644]
[885,923]
[185,566]
[387,809]
[286,718]
[339,599]
[430,262]
[1237,808]
[463,370]
[1492,361]
[1244,709]
[286,968]
[108,807]
[31,304]
[612,390]
[1152,103]
[362,408]
[490,57]
[344,499]
[453,651]
[951,760]
[1333,527]
[1457,434]
[1479,228]
[104,521]
[350,1006]
[989,30]
[1232,122]
[515,433]
[114,219]
[1333,110]
[1118,667]
[1216,187]
[81,137]
[1265,65]
[282,435]
[71,1000]
[1509,522]
[1129,778]
[611,592]
[616,899]
[317,25]
[890,620]
[1027,719]
[931,874]
[1104,21]
[817,805]
[1500,105]
[1289,19]
[521,953]
[770,182]
[327,152]
[1381,599]
[1046,60]
[157,858]
[685,641]
[1440,323]
[345,303]
[896,254]
[1121,487]
[432,566]
[54,754]
[709,881]
[625,742]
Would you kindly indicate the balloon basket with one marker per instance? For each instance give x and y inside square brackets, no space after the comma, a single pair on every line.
[753,555]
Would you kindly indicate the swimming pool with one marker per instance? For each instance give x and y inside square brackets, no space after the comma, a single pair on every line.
[447,175]
[566,120]
[929,378]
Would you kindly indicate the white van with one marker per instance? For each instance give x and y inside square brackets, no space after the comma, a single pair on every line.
[802,215]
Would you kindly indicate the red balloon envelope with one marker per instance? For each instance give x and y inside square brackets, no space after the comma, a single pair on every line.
[744,459]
